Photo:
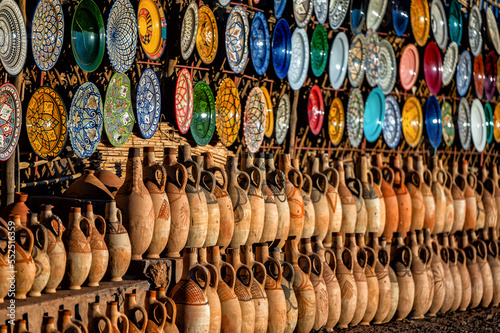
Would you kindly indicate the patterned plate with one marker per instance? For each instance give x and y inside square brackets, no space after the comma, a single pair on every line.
[46,123]
[498,74]
[478,125]
[408,66]
[464,73]
[188,30]
[496,123]
[374,115]
[118,113]
[122,35]
[372,57]
[321,10]
[260,43]
[337,10]
[455,22]
[282,119]
[337,67]
[479,75]
[447,122]
[47,33]
[184,100]
[412,121]
[224,3]
[269,113]
[463,123]
[375,14]
[302,11]
[488,115]
[438,24]
[282,48]
[254,121]
[336,121]
[490,71]
[450,63]
[152,28]
[14,40]
[493,35]
[355,117]
[148,103]
[279,8]
[85,120]
[228,108]
[10,120]
[433,68]
[299,63]
[392,127]
[420,21]
[433,121]
[207,38]
[237,30]
[203,123]
[387,70]
[475,25]
[315,110]
[358,15]
[400,16]
[356,61]
[319,50]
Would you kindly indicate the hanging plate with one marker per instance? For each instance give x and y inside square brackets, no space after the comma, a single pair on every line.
[13,37]
[356,61]
[302,11]
[372,56]
[319,50]
[433,121]
[203,123]
[336,121]
[118,113]
[282,48]
[299,63]
[455,22]
[148,103]
[207,37]
[315,110]
[463,123]
[387,70]
[439,25]
[490,79]
[122,35]
[374,115]
[337,10]
[184,100]
[228,109]
[47,33]
[254,121]
[355,117]
[10,120]
[337,67]
[260,43]
[189,30]
[496,123]
[475,25]
[420,21]
[282,119]
[464,73]
[269,113]
[413,122]
[152,28]
[479,75]
[321,10]
[433,68]
[478,125]
[448,126]
[237,30]
[375,14]
[488,115]
[409,66]
[392,127]
[450,63]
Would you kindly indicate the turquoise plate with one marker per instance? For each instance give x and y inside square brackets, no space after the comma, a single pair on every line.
[374,114]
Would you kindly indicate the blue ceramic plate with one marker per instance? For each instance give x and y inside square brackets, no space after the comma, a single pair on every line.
[392,127]
[337,67]
[47,33]
[464,73]
[121,34]
[282,48]
[148,103]
[14,39]
[355,117]
[374,114]
[463,123]
[279,8]
[237,30]
[357,60]
[358,15]
[260,44]
[321,10]
[455,22]
[400,16]
[337,10]
[299,63]
[433,121]
[302,11]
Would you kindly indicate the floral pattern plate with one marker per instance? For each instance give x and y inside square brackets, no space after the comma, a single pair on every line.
[269,113]
[412,121]
[387,70]
[355,117]
[85,120]
[237,30]
[282,119]
[463,123]
[148,103]
[10,120]
[392,127]
[375,14]
[336,121]
[189,30]
[475,25]
[464,73]
[254,121]
[337,11]
[433,121]
[420,21]
[455,22]
[315,110]
[184,100]
[207,36]
[121,34]
[478,125]
[479,76]
[490,80]
[496,123]
[299,63]
[438,24]
[488,115]
[337,67]
[450,63]
[47,33]
[492,30]
[228,116]
[319,50]
[356,60]
[409,66]
[118,113]
[203,122]
[321,10]
[152,28]
[447,122]
[372,56]
[14,39]
[302,11]
[374,115]
[260,43]
[282,48]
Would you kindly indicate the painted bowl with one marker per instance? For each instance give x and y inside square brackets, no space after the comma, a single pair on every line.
[488,116]
[433,68]
[299,62]
[408,66]
[355,117]
[372,57]
[319,50]
[478,125]
[420,21]
[260,43]
[337,11]
[387,70]
[237,31]
[282,48]
[463,123]
[189,30]
[10,117]
[336,121]
[433,121]
[302,12]
[254,120]
[450,63]
[339,54]
[121,32]
[152,28]
[269,113]
[464,73]
[315,110]
[356,61]
[148,103]
[118,113]
[400,16]
[412,121]
[439,25]
[374,114]
[184,100]
[282,119]
[228,112]
[496,123]
[358,15]
[375,14]
[447,122]
[474,30]
[479,75]
[455,22]
[47,33]
[392,127]
[207,36]
[490,71]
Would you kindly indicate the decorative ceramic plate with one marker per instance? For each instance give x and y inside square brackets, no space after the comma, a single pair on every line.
[400,16]
[433,121]
[450,63]
[14,40]
[464,73]
[463,123]
[358,15]
[438,24]
[490,72]
[118,113]
[375,14]
[224,3]
[420,21]
[337,10]
[254,121]
[237,30]
[493,35]
[46,123]
[488,116]
[269,113]
[336,121]
[279,8]
[321,10]
[148,103]
[207,37]
[10,120]
[455,22]
[498,74]
[122,35]
[260,43]
[478,125]
[372,57]
[356,61]
[496,123]
[479,75]
[408,66]
[282,119]
[355,117]
[88,36]
[374,114]
[184,100]
[412,121]
[152,28]
[392,127]
[302,11]
[203,122]
[228,109]
[339,53]
[315,110]
[447,122]
[47,33]
[189,30]
[475,25]
[387,70]
[85,120]
[319,50]
[433,68]
[299,62]
[282,48]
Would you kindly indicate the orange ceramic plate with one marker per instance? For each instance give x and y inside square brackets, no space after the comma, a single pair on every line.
[496,123]
[408,66]
[207,38]
[412,121]
[420,21]
[228,112]
[270,115]
[152,28]
[336,121]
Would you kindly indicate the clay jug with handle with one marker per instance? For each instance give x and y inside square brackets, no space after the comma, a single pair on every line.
[476,279]
[449,283]
[377,186]
[4,266]
[495,177]
[390,199]
[40,256]
[255,197]
[157,313]
[119,321]
[484,267]
[293,189]
[405,205]
[478,193]
[67,323]
[25,268]
[320,201]
[370,196]
[99,321]
[171,311]
[459,204]
[309,212]
[421,258]
[470,199]
[437,272]
[18,207]
[356,189]
[48,325]
[100,254]
[494,262]
[349,210]
[371,280]
[394,287]
[137,315]
[446,182]
[464,274]
[414,184]
[434,199]
[490,205]
[334,202]
[382,274]
[454,270]
[118,242]
[271,210]
[213,297]
[359,266]
[401,259]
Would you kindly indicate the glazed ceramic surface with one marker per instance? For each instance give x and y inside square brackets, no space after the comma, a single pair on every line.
[320,10]
[282,119]
[282,48]
[488,116]
[479,76]
[492,29]
[337,10]
[121,34]
[10,120]
[319,50]
[450,63]
[85,120]
[439,25]
[496,123]
[260,43]
[374,114]
[420,21]
[254,121]
[203,121]
[46,123]
[409,66]
[337,67]
[478,125]
[355,117]
[463,123]
[447,122]
[302,11]
[356,60]
[375,14]
[188,30]
[455,22]
[336,121]
[475,25]
[148,103]
[279,7]
[387,68]
[433,121]
[207,36]
[152,28]
[392,127]
[412,121]
[269,113]
[237,31]
[372,57]
[490,71]
[184,100]
[315,110]
[498,74]
[358,15]
[464,73]
[400,16]
[433,68]
[14,41]
[47,33]
[118,113]
[299,62]
[228,116]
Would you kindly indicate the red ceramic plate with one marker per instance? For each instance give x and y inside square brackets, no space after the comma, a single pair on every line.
[490,73]
[184,101]
[408,66]
[479,76]
[433,67]
[315,110]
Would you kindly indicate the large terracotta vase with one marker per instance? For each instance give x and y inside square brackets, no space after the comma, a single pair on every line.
[438,273]
[213,297]
[378,178]
[414,184]
[320,200]
[119,321]
[4,267]
[349,209]
[334,202]
[434,200]
[309,211]
[293,189]
[25,268]
[177,178]
[494,262]
[88,186]
[347,283]
[401,260]
[405,205]
[484,267]
[256,198]
[157,313]
[40,256]
[118,242]
[18,207]
[390,200]
[359,264]
[464,274]
[189,295]
[271,210]
[109,179]
[371,280]
[470,199]
[99,321]
[370,197]
[421,258]
[356,188]
[384,282]
[136,205]
[490,205]
[171,310]
[133,310]
[155,179]
[100,253]
[446,181]
[476,279]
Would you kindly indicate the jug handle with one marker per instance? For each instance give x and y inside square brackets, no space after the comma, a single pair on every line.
[290,268]
[427,177]
[196,170]
[81,325]
[472,181]
[101,228]
[163,172]
[442,178]
[279,178]
[204,175]
[145,316]
[4,231]
[214,275]
[356,189]
[307,185]
[246,283]
[30,237]
[247,179]
[89,227]
[261,271]
[60,227]
[316,264]
[179,172]
[273,262]
[125,323]
[332,263]
[321,182]
[333,177]
[223,174]
[163,315]
[171,311]
[300,183]
[388,175]
[232,275]
[376,175]
[206,276]
[255,176]
[304,264]
[42,244]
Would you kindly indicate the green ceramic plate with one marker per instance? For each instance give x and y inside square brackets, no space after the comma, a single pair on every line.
[118,114]
[203,121]
[447,122]
[488,114]
[319,50]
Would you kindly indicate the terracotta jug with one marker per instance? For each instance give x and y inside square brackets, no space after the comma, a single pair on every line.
[434,200]
[484,267]
[309,211]
[40,256]
[293,189]
[448,283]
[171,311]
[394,295]
[371,280]
[356,189]
[459,203]
[271,210]
[189,294]
[226,221]
[383,279]
[25,268]
[446,182]
[438,273]
[157,313]
[67,323]
[414,184]
[333,198]
[88,186]
[377,186]
[20,326]
[177,178]
[119,321]
[133,311]
[457,280]
[109,179]
[99,321]
[370,197]
[490,205]
[405,205]
[390,200]
[48,325]
[494,262]
[421,258]
[349,210]
[100,254]
[255,197]
[481,216]
[401,260]
[4,266]
[118,242]
[476,279]
[495,177]
[359,258]
[212,296]
[136,205]
[470,199]
[155,178]
[464,275]
[18,207]
[320,200]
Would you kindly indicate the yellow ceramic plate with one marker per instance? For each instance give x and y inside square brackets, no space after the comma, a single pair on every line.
[420,21]
[496,123]
[207,37]
[336,121]
[228,112]
[412,121]
[152,28]
[270,116]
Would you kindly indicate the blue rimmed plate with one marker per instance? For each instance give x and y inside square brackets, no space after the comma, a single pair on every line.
[400,16]
[203,122]
[279,8]
[372,57]
[337,67]
[433,121]
[356,60]
[321,10]
[463,123]
[392,127]
[282,48]
[464,73]
[374,114]
[337,10]
[148,103]
[47,33]
[387,69]
[302,12]
[121,34]
[260,43]
[355,117]
[299,63]
[10,120]
[13,37]
[478,125]
[118,113]
[189,30]
[455,22]
[237,30]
